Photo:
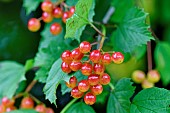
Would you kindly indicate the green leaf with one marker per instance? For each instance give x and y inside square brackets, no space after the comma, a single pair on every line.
[71,2]
[83,14]
[119,99]
[80,107]
[162,61]
[132,31]
[23,111]
[31,5]
[11,74]
[56,75]
[152,100]
[29,64]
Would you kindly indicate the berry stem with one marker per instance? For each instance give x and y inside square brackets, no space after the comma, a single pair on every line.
[19,95]
[96,29]
[68,105]
[59,2]
[149,55]
[35,99]
[94,43]
[111,86]
[103,37]
[30,86]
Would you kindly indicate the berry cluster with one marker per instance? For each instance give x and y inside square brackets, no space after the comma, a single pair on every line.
[50,11]
[7,105]
[93,68]
[147,81]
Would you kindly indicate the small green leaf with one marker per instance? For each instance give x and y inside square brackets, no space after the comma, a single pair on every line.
[119,99]
[31,5]
[152,100]
[56,75]
[83,14]
[132,31]
[23,111]
[162,61]
[80,107]
[29,64]
[11,74]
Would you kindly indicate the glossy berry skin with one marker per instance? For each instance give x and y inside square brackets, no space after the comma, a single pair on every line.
[75,66]
[10,108]
[49,110]
[86,69]
[104,79]
[106,58]
[93,79]
[83,85]
[27,103]
[47,17]
[55,28]
[85,47]
[95,56]
[153,76]
[7,102]
[40,108]
[66,56]
[65,67]
[72,82]
[72,10]
[117,57]
[146,84]
[76,55]
[96,89]
[76,93]
[34,24]
[89,98]
[138,76]
[98,68]
[65,16]
[47,6]
[2,108]
[57,12]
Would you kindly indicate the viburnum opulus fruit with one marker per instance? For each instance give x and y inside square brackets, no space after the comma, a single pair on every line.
[76,93]
[89,98]
[72,82]
[27,103]
[34,24]
[138,76]
[117,57]
[153,76]
[55,28]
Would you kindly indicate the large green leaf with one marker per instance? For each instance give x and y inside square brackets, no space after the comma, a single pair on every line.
[119,99]
[162,61]
[23,111]
[11,74]
[31,5]
[152,100]
[80,107]
[71,2]
[132,31]
[56,75]
[83,14]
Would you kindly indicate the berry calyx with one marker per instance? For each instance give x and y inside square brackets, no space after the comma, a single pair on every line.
[75,66]
[106,58]
[104,79]
[93,79]
[65,67]
[96,89]
[153,76]
[76,93]
[85,47]
[72,82]
[86,69]
[138,76]
[27,103]
[47,17]
[34,24]
[65,16]
[83,85]
[89,98]
[95,56]
[47,6]
[72,10]
[49,110]
[117,57]
[66,56]
[147,84]
[7,102]
[98,69]
[55,28]
[76,55]
[57,12]
[40,108]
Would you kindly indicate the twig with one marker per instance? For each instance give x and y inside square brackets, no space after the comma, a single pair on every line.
[94,43]
[111,86]
[149,55]
[35,99]
[103,37]
[96,29]
[30,86]
[19,95]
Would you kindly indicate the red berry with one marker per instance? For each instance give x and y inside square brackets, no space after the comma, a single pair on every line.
[75,66]
[7,102]
[10,108]
[65,16]
[47,6]
[83,85]
[49,110]
[47,17]
[93,79]
[96,89]
[86,69]
[65,67]
[98,68]
[85,47]
[55,28]
[95,56]
[76,93]
[2,108]
[104,79]
[106,58]
[27,103]
[66,56]
[34,24]
[138,76]
[76,55]
[117,57]
[40,108]
[72,10]
[153,76]
[89,98]
[72,82]
[57,12]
